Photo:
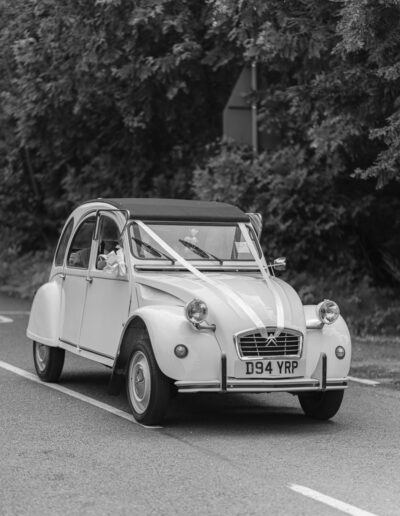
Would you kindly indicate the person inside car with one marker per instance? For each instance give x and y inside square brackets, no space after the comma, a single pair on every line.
[111,257]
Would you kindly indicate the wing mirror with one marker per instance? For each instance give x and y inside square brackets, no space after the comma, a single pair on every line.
[279,264]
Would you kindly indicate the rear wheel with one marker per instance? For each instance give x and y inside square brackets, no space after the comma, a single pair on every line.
[321,405]
[148,389]
[48,361]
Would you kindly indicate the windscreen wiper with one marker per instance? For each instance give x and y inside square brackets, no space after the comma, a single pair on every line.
[152,251]
[200,252]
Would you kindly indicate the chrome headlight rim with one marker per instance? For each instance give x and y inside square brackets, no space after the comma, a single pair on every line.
[328,311]
[196,306]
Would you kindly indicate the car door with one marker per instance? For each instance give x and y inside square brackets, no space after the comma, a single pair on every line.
[108,296]
[75,282]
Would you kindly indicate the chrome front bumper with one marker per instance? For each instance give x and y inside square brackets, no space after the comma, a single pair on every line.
[237,385]
[318,382]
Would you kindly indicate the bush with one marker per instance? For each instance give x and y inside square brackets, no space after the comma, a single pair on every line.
[21,276]
[367,309]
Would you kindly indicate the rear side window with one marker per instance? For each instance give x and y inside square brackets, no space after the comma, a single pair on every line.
[79,252]
[62,246]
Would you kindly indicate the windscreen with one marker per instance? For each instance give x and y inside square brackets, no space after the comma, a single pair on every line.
[192,241]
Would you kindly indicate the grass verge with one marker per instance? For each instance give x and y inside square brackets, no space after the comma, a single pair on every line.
[377,358]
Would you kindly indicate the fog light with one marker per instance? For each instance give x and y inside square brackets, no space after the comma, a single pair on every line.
[340,352]
[181,351]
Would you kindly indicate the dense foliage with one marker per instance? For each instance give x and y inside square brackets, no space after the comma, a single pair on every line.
[119,98]
[98,99]
[330,95]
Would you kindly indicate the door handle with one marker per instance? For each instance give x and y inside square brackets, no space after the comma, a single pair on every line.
[89,279]
[62,276]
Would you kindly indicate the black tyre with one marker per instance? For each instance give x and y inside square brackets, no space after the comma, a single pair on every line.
[321,405]
[48,362]
[147,388]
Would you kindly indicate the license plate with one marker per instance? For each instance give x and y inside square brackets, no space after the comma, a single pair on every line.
[269,368]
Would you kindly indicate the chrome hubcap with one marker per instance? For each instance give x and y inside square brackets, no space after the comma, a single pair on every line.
[42,356]
[139,382]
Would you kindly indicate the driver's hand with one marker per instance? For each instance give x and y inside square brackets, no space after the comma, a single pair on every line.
[101,263]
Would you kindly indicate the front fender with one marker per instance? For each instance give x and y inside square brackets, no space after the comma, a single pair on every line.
[45,312]
[324,340]
[167,327]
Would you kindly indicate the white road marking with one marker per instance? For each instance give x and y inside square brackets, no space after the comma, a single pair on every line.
[332,502]
[15,312]
[363,380]
[4,319]
[74,394]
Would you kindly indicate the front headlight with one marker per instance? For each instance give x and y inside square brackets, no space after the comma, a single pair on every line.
[327,311]
[196,311]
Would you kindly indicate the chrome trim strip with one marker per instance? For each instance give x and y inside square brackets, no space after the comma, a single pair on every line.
[243,333]
[207,383]
[85,349]
[68,342]
[223,372]
[273,386]
[286,382]
[324,370]
[200,386]
[337,383]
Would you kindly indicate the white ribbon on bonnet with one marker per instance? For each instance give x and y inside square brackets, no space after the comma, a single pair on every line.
[234,300]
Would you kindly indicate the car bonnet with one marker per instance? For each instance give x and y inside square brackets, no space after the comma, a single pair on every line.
[226,293]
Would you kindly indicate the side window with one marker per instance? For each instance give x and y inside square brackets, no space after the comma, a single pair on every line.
[62,245]
[109,242]
[79,252]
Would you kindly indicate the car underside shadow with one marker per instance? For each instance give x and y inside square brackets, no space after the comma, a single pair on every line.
[238,412]
[93,377]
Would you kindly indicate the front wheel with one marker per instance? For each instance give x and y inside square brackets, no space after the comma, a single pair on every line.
[48,361]
[321,405]
[148,389]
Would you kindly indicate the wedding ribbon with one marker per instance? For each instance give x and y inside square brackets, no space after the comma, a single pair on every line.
[229,295]
[280,313]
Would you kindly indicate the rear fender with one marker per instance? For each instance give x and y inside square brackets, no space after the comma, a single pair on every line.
[44,318]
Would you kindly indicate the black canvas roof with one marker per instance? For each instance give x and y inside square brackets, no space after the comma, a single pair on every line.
[178,209]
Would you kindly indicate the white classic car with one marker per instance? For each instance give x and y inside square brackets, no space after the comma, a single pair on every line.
[176,295]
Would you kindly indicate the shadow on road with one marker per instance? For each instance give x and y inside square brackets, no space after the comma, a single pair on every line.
[235,413]
[241,412]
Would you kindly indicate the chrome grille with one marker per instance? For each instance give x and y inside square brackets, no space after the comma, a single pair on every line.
[251,344]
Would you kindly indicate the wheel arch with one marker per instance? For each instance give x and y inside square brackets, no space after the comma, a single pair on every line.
[134,329]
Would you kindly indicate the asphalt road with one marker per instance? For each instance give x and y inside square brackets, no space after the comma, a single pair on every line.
[216,454]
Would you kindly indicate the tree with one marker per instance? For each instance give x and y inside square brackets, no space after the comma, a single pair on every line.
[105,98]
[113,98]
[322,93]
